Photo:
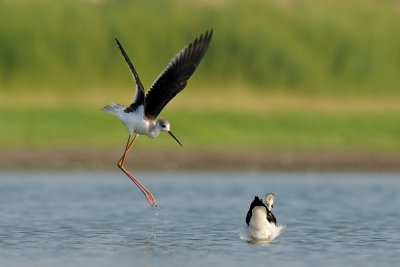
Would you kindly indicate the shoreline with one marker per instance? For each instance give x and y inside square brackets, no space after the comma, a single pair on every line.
[106,159]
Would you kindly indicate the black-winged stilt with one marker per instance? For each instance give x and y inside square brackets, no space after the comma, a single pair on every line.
[260,210]
[140,116]
[261,221]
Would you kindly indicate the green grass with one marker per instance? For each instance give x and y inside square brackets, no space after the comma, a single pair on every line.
[277,130]
[332,68]
[313,47]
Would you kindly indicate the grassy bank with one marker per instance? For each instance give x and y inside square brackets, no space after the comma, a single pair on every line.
[274,129]
[279,75]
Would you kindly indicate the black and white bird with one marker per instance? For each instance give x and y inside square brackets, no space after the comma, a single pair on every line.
[140,117]
[262,224]
[259,212]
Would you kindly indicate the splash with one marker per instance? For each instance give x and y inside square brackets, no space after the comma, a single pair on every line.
[159,220]
[266,235]
[156,209]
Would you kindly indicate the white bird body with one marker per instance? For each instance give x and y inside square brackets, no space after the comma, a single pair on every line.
[258,218]
[260,229]
[134,122]
[261,222]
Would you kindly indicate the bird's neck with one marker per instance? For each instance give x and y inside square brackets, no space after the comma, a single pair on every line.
[269,206]
[154,131]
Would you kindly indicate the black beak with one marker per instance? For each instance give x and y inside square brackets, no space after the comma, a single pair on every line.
[173,136]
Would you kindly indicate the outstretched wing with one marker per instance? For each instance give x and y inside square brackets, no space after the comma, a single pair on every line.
[175,76]
[138,99]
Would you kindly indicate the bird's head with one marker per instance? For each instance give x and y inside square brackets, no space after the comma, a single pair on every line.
[165,126]
[269,200]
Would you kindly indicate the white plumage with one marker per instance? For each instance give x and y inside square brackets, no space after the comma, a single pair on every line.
[260,229]
[134,121]
[261,221]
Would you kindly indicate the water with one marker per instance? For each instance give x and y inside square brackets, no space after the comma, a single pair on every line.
[101,219]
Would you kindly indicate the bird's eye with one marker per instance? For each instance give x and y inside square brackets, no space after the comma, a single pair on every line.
[163,126]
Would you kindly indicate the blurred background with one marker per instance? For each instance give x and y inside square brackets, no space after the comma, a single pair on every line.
[285,84]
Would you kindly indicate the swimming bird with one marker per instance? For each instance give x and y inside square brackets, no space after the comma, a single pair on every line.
[140,117]
[258,211]
[261,223]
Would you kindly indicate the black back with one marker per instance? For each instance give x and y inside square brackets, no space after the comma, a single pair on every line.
[258,202]
[175,76]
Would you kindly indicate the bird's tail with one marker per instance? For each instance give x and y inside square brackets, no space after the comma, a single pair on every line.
[114,108]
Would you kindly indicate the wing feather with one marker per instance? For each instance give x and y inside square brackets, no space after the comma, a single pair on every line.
[175,76]
[138,99]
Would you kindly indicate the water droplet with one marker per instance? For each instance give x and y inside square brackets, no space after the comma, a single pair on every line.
[156,210]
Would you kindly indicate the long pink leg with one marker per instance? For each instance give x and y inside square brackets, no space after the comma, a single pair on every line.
[145,191]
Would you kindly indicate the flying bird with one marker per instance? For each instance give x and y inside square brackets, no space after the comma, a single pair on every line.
[140,117]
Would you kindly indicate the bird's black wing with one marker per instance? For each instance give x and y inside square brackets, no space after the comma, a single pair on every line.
[248,216]
[175,76]
[138,100]
[270,217]
[256,202]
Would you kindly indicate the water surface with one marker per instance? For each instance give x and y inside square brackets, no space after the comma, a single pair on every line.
[102,219]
